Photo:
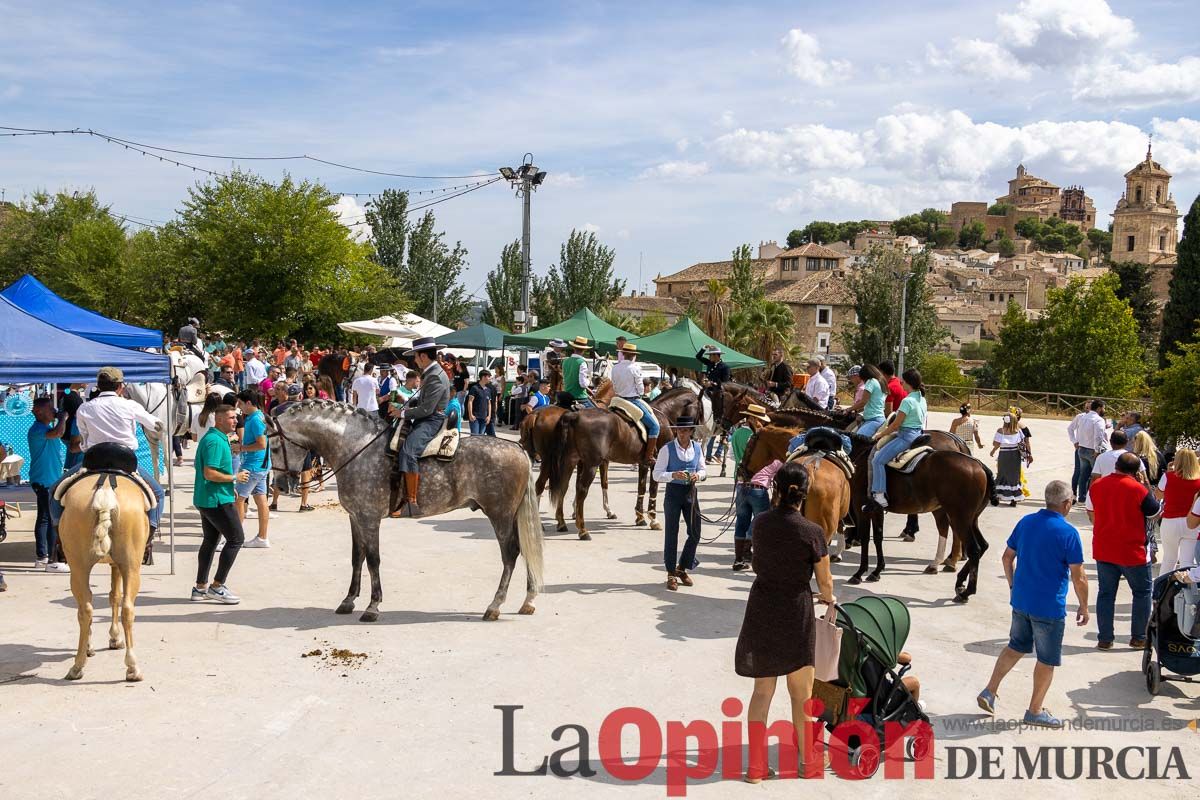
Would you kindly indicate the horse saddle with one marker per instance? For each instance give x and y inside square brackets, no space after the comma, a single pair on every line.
[827,443]
[444,445]
[908,460]
[196,388]
[631,413]
[112,460]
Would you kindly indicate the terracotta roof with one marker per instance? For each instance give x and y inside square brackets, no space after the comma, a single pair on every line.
[1090,273]
[819,288]
[1005,284]
[961,313]
[665,305]
[815,250]
[706,270]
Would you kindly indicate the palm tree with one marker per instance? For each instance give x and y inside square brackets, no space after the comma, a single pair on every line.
[760,328]
[716,309]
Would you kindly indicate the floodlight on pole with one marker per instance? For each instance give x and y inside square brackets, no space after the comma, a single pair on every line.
[525,179]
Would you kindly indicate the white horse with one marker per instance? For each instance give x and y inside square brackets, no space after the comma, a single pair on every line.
[189,388]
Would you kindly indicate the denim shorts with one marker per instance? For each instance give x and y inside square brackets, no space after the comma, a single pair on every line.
[1046,635]
[256,485]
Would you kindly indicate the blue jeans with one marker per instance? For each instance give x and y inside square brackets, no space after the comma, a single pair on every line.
[45,532]
[1028,634]
[1087,462]
[155,513]
[869,426]
[677,502]
[1075,474]
[902,441]
[1109,576]
[648,418]
[750,501]
[478,427]
[708,452]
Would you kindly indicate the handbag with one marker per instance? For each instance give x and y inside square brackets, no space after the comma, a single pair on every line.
[827,651]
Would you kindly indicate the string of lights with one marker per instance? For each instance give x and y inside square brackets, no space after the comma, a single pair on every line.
[418,207]
[145,149]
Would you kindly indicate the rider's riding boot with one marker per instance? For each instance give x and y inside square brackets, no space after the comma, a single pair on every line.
[650,453]
[411,482]
[740,558]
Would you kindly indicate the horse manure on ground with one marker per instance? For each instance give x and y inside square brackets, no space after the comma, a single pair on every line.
[337,657]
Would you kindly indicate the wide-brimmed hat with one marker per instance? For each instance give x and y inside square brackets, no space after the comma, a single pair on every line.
[714,350]
[628,347]
[684,421]
[856,369]
[421,345]
[557,343]
[756,411]
[581,343]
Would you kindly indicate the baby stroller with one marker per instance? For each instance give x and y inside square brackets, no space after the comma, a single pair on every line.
[874,630]
[1173,635]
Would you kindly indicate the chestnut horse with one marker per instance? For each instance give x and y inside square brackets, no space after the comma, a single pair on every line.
[828,500]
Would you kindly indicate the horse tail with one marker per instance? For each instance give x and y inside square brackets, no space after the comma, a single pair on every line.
[529,534]
[557,471]
[526,437]
[993,498]
[104,503]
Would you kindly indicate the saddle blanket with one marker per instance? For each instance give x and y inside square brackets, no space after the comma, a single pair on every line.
[66,483]
[631,413]
[835,456]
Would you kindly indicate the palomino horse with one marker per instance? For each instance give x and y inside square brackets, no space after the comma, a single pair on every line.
[102,524]
[487,473]
[186,403]
[828,499]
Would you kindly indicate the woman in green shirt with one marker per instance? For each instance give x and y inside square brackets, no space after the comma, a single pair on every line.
[907,424]
[870,405]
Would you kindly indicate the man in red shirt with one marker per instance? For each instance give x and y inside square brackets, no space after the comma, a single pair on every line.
[895,390]
[1118,505]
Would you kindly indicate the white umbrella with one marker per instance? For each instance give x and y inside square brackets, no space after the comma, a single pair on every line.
[381,326]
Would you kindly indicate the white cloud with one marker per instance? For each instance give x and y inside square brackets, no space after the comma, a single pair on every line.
[840,197]
[350,212]
[1052,32]
[590,227]
[803,54]
[727,120]
[682,145]
[1132,86]
[977,57]
[562,179]
[676,170]
[794,148]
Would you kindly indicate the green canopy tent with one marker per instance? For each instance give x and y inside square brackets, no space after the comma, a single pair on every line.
[678,344]
[476,337]
[584,323]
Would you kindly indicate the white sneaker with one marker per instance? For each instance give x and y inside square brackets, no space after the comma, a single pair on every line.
[256,542]
[222,595]
[55,566]
[880,498]
[40,563]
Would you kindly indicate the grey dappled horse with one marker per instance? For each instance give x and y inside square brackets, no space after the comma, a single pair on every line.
[489,473]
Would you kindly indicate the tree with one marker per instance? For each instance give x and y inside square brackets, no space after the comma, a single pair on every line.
[1085,343]
[715,309]
[922,225]
[972,235]
[943,237]
[1176,412]
[876,289]
[999,209]
[1053,234]
[939,369]
[977,351]
[1134,287]
[1182,311]
[821,232]
[431,276]
[272,259]
[387,217]
[651,323]
[626,322]
[583,278]
[1100,242]
[503,288]
[1006,247]
[745,284]
[761,327]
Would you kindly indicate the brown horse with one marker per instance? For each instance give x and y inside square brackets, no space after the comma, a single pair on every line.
[102,524]
[828,500]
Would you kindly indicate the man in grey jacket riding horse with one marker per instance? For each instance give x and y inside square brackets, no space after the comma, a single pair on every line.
[426,411]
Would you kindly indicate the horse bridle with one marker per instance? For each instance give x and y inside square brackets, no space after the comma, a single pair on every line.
[273,424]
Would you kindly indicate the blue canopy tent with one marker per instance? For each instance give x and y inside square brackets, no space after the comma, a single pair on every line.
[32,296]
[33,351]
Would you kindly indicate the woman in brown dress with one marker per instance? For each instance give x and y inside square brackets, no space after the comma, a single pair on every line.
[778,629]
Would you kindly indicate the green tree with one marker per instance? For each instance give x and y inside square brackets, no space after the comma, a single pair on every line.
[977,351]
[1176,412]
[760,327]
[1100,242]
[387,217]
[583,278]
[432,275]
[745,284]
[1085,343]
[944,237]
[877,290]
[1006,247]
[716,309]
[939,369]
[922,225]
[1182,311]
[999,209]
[626,322]
[272,259]
[651,323]
[1054,235]
[1027,227]
[1134,287]
[503,288]
[972,235]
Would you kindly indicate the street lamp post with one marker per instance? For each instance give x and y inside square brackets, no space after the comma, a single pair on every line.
[903,321]
[525,179]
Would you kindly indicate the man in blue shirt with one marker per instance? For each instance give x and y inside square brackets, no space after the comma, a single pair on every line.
[47,454]
[1046,549]
[256,462]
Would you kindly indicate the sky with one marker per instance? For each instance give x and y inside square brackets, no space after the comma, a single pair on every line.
[675,131]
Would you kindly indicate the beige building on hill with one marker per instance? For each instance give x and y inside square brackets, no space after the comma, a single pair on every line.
[639,305]
[1146,223]
[1028,196]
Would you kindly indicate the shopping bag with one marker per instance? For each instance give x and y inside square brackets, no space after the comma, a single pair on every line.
[828,649]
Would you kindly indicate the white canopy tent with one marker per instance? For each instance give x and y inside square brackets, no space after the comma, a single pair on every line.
[383,326]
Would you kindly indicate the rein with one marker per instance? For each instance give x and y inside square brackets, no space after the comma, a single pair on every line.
[311,482]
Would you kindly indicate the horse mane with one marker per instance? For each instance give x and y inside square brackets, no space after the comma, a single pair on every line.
[671,394]
[330,408]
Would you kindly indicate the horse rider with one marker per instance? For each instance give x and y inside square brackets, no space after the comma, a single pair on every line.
[627,384]
[576,376]
[716,372]
[908,423]
[552,368]
[426,412]
[189,335]
[111,417]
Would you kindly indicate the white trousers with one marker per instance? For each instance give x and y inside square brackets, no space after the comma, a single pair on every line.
[1178,544]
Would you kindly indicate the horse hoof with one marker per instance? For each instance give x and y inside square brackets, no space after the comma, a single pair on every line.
[491,615]
[562,528]
[835,559]
[527,609]
[931,570]
[584,536]
[855,580]
[347,607]
[960,598]
[873,577]
[73,674]
[116,645]
[133,675]
[369,616]
[654,526]
[907,537]
[91,652]
[611,515]
[948,568]
[641,523]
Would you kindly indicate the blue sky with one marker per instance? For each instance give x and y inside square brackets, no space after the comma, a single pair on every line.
[674,130]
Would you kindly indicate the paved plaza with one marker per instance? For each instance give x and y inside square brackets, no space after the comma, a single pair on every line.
[237,703]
